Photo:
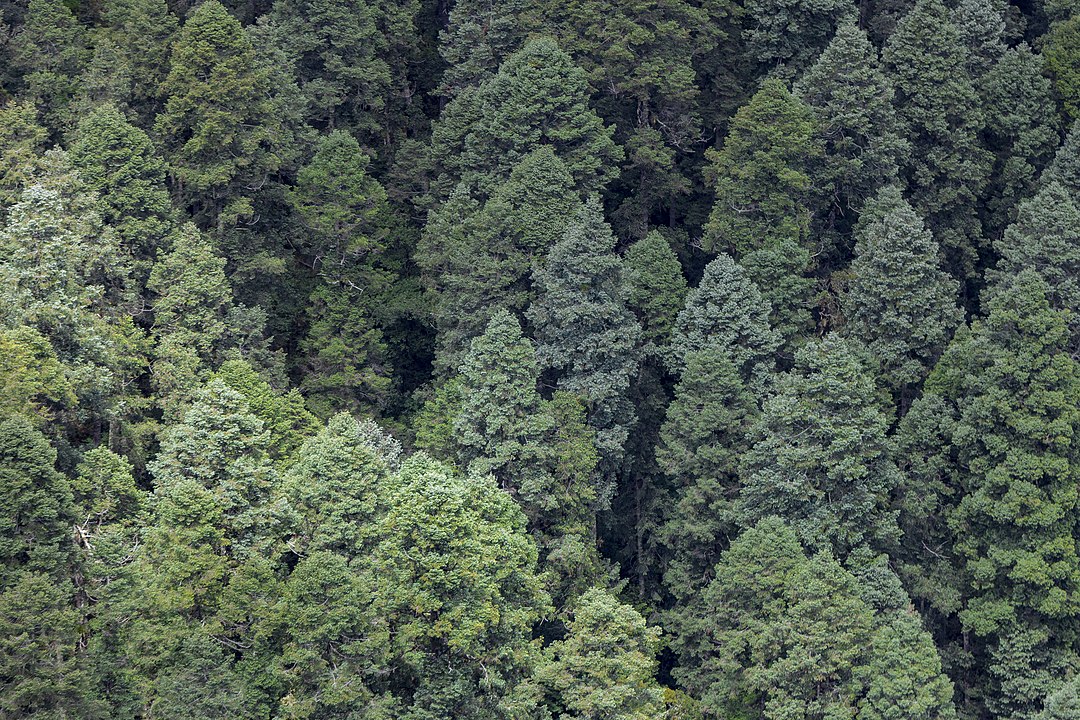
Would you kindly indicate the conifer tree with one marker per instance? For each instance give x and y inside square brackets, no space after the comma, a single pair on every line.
[1011,457]
[51,52]
[118,162]
[283,413]
[585,334]
[820,457]
[345,221]
[981,28]
[939,110]
[214,129]
[1046,238]
[482,256]
[539,96]
[455,593]
[902,674]
[41,672]
[726,311]
[1061,50]
[539,451]
[605,665]
[333,488]
[790,34]
[764,199]
[500,425]
[852,101]
[142,32]
[703,437]
[37,505]
[330,641]
[340,58]
[63,274]
[22,142]
[1062,703]
[34,383]
[1021,130]
[342,208]
[478,37]
[783,634]
[656,287]
[191,301]
[1065,167]
[901,304]
[642,62]
[218,450]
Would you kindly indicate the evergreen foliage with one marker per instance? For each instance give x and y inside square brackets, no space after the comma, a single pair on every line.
[941,117]
[902,305]
[621,359]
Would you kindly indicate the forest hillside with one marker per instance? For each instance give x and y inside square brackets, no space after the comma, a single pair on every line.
[539,360]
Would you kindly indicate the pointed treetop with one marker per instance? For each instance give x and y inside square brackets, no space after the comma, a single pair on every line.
[726,310]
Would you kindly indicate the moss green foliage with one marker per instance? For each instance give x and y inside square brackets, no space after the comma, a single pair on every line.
[539,360]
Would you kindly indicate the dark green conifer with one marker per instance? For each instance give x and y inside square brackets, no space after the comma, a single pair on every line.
[900,303]
[821,457]
[726,311]
[852,101]
[939,111]
[1021,131]
[584,332]
[119,162]
[764,200]
[656,287]
[1046,238]
[215,127]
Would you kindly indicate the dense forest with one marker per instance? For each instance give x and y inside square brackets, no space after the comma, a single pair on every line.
[540,359]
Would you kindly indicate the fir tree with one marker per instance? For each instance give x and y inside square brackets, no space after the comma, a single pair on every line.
[726,311]
[454,586]
[37,505]
[656,287]
[1046,238]
[333,488]
[981,28]
[539,451]
[820,457]
[1021,130]
[790,34]
[795,635]
[585,333]
[119,163]
[340,58]
[1062,50]
[605,665]
[852,101]
[142,32]
[539,96]
[902,305]
[51,52]
[482,256]
[478,37]
[41,672]
[500,425]
[22,142]
[1010,455]
[704,435]
[938,107]
[763,200]
[192,299]
[342,208]
[1065,167]
[215,126]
